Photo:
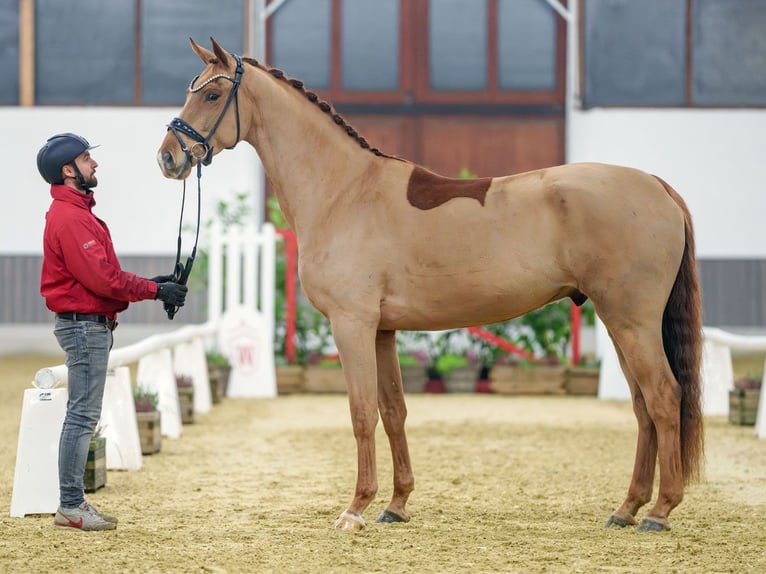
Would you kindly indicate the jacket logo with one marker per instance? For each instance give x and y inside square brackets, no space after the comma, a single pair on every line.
[90,243]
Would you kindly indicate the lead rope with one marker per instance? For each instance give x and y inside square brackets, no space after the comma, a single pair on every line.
[181,272]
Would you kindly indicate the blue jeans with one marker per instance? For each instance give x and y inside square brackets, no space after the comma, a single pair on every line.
[87,345]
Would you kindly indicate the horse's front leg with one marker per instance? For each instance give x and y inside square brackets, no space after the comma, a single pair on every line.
[393,412]
[355,340]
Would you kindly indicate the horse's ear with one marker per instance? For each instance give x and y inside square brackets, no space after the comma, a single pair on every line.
[220,53]
[204,54]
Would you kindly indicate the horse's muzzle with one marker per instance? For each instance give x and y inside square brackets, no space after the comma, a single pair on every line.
[170,167]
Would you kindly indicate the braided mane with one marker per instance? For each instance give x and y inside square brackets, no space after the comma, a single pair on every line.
[323,105]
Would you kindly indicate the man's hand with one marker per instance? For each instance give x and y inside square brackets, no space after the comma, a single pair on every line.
[163,278]
[172,293]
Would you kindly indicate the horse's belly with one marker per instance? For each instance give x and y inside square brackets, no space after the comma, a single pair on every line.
[446,304]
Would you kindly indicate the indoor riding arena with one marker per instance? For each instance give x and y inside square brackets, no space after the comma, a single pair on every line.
[502,484]
[418,286]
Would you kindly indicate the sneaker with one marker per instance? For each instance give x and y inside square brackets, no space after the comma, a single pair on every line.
[106,517]
[83,517]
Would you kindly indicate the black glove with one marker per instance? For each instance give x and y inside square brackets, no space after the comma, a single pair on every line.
[163,278]
[172,293]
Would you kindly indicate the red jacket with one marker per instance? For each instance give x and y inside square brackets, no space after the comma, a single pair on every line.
[80,270]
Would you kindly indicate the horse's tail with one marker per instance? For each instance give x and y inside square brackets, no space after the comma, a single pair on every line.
[682,339]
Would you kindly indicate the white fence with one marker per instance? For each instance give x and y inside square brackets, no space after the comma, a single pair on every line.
[241,283]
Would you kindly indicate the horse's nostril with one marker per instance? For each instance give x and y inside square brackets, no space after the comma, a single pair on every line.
[167,159]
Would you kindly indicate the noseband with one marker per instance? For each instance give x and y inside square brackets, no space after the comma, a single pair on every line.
[201,149]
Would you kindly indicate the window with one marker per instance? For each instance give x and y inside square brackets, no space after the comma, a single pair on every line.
[370,45]
[422,51]
[9,52]
[86,50]
[167,62]
[491,51]
[84,53]
[674,53]
[729,53]
[300,41]
[457,44]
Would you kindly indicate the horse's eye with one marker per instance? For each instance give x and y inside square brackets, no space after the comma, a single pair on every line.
[211,97]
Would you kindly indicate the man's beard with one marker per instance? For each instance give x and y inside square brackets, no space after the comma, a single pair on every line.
[91,182]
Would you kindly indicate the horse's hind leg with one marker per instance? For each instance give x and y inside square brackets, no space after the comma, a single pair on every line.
[640,489]
[393,412]
[658,395]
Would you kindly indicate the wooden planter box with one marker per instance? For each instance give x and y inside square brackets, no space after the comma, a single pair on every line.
[461,380]
[324,380]
[743,406]
[413,378]
[186,402]
[582,381]
[149,431]
[219,381]
[536,380]
[95,469]
[290,379]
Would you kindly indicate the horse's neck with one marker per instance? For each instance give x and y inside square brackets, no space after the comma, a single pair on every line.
[310,161]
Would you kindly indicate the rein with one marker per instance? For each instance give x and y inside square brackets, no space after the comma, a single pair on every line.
[204,157]
[181,272]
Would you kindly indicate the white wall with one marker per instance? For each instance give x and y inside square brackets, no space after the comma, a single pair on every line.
[140,206]
[716,160]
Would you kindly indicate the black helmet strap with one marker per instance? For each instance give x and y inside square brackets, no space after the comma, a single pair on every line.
[78,176]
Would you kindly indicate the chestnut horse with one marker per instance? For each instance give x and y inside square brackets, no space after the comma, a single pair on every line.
[385,245]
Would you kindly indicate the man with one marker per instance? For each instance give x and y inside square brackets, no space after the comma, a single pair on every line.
[83,284]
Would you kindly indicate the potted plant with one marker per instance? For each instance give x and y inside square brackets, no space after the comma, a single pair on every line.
[544,333]
[413,359]
[148,418]
[582,378]
[324,374]
[218,372]
[185,387]
[743,400]
[95,468]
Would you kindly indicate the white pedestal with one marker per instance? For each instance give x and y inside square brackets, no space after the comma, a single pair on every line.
[717,378]
[245,340]
[189,360]
[155,374]
[119,424]
[36,479]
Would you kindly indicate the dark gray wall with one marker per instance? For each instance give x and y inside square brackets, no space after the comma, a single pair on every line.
[733,291]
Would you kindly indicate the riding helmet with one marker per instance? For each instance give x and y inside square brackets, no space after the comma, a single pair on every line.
[58,151]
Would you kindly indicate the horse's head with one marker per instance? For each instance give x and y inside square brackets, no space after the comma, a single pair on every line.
[208,121]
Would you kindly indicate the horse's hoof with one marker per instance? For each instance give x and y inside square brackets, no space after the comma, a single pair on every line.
[388,517]
[653,525]
[350,521]
[615,520]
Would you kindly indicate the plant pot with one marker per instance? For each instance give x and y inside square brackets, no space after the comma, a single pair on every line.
[582,380]
[413,378]
[149,431]
[324,380]
[95,469]
[461,380]
[743,406]
[290,379]
[218,376]
[436,386]
[521,380]
[186,403]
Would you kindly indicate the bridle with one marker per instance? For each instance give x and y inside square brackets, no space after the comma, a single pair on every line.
[202,151]
[202,143]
